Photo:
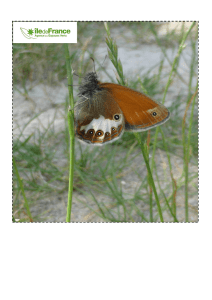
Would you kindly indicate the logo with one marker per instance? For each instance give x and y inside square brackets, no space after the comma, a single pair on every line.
[27,33]
[36,33]
[44,32]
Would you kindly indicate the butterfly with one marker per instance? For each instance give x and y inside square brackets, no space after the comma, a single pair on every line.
[106,110]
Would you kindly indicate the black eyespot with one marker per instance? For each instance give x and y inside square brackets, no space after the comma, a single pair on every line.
[107,133]
[99,133]
[113,128]
[154,114]
[91,131]
[116,117]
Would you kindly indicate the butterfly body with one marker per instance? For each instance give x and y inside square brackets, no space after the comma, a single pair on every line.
[105,110]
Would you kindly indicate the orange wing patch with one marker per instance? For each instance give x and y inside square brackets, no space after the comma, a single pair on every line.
[140,112]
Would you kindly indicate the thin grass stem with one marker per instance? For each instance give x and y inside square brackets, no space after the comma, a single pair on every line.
[145,152]
[71,132]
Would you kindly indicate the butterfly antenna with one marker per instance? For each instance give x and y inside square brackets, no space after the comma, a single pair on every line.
[93,64]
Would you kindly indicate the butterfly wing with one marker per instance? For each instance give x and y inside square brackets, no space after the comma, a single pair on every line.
[140,112]
[98,120]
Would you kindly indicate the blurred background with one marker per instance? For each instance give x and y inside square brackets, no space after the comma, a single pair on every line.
[110,182]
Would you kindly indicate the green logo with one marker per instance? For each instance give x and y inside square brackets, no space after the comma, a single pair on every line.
[27,33]
[34,34]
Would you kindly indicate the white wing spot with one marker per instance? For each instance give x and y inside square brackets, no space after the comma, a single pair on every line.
[101,124]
